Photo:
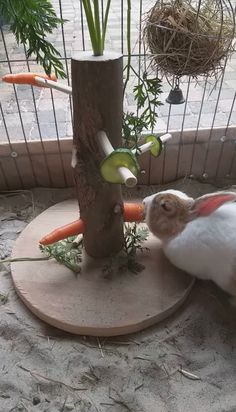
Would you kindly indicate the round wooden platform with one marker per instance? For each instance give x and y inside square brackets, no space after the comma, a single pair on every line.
[89,303]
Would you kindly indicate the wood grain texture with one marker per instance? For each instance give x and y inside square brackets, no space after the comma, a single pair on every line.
[89,303]
[97,100]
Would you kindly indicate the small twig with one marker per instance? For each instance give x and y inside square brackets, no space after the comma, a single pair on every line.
[63,406]
[119,343]
[142,358]
[177,354]
[189,375]
[4,396]
[138,387]
[93,347]
[120,402]
[100,347]
[23,259]
[89,377]
[166,371]
[135,341]
[106,404]
[92,371]
[38,375]
[85,344]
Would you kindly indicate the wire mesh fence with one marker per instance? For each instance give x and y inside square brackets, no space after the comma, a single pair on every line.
[41,119]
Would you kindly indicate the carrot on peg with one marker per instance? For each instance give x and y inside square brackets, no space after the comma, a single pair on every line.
[27,78]
[71,229]
[132,212]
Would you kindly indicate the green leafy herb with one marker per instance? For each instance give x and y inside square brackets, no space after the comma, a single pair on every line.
[135,235]
[67,252]
[146,96]
[145,93]
[31,21]
[132,128]
[126,259]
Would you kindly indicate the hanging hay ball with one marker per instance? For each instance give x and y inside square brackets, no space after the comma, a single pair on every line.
[190,40]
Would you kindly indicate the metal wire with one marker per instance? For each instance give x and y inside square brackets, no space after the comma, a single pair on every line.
[82,24]
[19,112]
[167,129]
[38,126]
[164,152]
[58,139]
[65,55]
[213,121]
[139,44]
[11,148]
[122,26]
[182,129]
[198,125]
[142,56]
[234,152]
[7,186]
[224,139]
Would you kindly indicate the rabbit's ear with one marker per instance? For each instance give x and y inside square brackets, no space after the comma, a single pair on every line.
[207,204]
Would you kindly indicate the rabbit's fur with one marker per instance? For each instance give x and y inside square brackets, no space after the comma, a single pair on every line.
[199,236]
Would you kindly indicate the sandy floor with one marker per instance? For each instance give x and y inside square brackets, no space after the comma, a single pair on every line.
[43,369]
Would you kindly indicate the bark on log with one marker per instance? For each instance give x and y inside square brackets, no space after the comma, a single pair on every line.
[97,85]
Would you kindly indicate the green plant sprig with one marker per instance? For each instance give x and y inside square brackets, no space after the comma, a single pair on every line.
[126,259]
[30,21]
[134,237]
[145,94]
[67,252]
[97,30]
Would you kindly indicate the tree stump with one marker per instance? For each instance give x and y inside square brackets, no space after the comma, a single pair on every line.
[97,83]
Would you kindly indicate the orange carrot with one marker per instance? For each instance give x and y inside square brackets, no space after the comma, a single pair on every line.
[71,229]
[26,78]
[133,212]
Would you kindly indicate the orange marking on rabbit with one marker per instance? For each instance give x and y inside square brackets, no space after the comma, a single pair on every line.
[168,215]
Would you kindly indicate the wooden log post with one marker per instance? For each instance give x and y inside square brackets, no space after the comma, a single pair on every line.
[97,84]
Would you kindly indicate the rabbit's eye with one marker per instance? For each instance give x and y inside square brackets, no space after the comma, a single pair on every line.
[166,206]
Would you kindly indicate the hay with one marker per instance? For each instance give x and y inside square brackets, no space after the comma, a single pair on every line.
[187,40]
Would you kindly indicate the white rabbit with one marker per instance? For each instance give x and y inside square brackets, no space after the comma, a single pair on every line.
[199,236]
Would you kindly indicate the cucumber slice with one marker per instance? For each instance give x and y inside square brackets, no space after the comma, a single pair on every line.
[156,148]
[119,158]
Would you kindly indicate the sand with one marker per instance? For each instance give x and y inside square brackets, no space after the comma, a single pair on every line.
[44,369]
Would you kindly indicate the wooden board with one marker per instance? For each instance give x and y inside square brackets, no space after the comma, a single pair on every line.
[89,303]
